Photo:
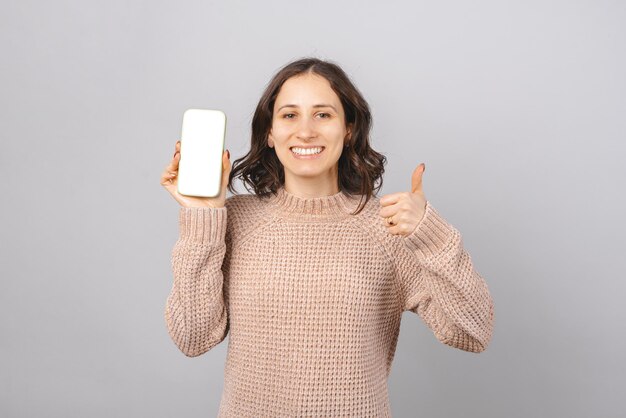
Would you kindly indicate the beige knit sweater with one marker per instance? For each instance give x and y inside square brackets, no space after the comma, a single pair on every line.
[311,297]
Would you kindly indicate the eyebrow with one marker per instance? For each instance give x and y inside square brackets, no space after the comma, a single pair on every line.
[317,105]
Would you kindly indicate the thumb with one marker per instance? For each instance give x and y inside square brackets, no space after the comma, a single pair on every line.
[226,166]
[416,178]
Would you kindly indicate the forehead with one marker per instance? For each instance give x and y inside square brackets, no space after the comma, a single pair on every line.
[305,88]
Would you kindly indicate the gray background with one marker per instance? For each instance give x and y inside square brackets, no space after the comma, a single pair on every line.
[517,109]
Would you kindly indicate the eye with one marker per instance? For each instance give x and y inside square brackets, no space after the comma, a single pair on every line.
[327,115]
[285,116]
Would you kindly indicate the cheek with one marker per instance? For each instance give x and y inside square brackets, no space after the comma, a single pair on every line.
[334,131]
[280,131]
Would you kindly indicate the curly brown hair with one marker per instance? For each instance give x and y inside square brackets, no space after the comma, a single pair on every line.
[360,167]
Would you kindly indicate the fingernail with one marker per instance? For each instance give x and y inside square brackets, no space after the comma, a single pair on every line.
[228,154]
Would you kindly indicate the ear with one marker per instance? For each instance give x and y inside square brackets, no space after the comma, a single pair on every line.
[348,135]
[270,140]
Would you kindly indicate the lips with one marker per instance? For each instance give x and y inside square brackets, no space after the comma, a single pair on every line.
[305,155]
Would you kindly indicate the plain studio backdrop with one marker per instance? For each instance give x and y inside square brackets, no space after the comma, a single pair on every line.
[517,109]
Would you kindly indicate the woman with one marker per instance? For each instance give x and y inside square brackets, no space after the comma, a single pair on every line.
[310,274]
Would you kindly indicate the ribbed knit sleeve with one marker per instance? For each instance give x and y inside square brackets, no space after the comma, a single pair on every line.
[441,285]
[195,312]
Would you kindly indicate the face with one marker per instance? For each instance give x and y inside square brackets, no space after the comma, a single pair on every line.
[308,114]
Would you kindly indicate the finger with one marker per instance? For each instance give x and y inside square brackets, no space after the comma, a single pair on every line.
[227,166]
[171,170]
[390,228]
[416,178]
[396,230]
[168,178]
[391,198]
[226,160]
[175,160]
[389,209]
[400,227]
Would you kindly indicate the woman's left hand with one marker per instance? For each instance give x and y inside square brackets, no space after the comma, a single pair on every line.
[403,211]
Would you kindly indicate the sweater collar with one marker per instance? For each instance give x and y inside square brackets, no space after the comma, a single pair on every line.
[337,205]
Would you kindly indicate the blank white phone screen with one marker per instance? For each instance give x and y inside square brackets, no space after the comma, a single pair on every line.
[201,149]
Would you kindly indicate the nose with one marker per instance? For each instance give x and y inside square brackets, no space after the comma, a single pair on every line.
[306,128]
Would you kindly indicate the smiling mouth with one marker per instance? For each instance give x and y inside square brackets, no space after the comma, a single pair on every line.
[304,151]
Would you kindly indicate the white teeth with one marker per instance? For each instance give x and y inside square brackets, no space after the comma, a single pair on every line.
[306,151]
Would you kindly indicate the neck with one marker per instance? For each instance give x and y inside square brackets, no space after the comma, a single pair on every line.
[325,184]
[337,205]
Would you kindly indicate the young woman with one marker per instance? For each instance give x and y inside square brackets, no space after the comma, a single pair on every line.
[310,274]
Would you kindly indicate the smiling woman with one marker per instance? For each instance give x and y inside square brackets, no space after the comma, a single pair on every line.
[311,105]
[305,274]
[314,124]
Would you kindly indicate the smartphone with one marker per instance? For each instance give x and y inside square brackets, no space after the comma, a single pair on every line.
[201,149]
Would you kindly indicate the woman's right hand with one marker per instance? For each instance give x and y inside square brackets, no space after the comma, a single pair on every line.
[169,180]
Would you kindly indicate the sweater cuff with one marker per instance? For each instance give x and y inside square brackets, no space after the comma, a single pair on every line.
[202,225]
[431,235]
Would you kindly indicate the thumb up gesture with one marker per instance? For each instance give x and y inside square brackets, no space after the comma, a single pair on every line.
[403,211]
